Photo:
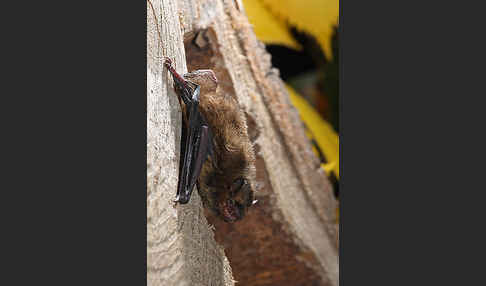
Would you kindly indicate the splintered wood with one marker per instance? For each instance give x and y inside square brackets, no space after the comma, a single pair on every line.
[290,236]
[181,249]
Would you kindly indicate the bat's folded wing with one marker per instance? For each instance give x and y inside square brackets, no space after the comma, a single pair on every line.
[195,145]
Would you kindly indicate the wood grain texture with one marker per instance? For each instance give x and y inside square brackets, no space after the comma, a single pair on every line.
[297,210]
[181,249]
[291,236]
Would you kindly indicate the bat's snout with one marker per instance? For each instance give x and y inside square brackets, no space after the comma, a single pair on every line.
[230,211]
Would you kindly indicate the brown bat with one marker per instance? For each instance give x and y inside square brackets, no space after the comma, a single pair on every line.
[216,153]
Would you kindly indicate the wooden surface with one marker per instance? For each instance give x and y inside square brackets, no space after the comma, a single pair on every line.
[290,236]
[180,245]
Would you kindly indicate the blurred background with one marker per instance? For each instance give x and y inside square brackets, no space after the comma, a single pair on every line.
[302,37]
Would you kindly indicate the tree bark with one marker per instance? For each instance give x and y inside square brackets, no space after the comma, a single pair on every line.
[290,237]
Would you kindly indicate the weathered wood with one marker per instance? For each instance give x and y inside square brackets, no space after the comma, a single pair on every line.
[290,236]
[180,245]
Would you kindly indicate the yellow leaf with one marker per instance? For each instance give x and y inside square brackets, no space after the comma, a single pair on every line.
[316,17]
[325,136]
[267,27]
[330,167]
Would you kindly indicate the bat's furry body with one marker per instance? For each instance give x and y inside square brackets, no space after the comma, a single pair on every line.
[227,174]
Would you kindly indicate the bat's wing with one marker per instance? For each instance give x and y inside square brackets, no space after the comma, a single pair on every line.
[195,142]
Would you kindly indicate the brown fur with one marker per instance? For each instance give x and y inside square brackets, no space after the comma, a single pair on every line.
[233,157]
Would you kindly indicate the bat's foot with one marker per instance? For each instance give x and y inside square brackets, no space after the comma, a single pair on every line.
[167,62]
[204,78]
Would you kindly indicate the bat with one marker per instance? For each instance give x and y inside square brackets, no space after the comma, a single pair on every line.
[216,153]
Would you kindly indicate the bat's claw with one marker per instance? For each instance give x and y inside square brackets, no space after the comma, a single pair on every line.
[167,62]
[181,200]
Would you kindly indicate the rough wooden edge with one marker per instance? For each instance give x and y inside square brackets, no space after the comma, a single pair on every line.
[301,193]
[181,249]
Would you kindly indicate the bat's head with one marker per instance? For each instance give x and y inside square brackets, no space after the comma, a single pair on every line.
[233,205]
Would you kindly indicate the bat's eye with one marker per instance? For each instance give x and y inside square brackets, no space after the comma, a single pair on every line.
[241,192]
[237,184]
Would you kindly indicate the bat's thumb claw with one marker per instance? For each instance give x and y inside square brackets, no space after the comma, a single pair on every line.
[167,61]
[180,200]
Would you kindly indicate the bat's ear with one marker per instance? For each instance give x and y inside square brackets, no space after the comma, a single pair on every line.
[242,191]
[251,199]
